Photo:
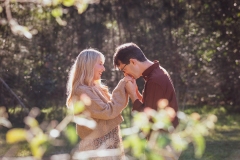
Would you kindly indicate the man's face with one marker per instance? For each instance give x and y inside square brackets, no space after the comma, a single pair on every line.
[130,69]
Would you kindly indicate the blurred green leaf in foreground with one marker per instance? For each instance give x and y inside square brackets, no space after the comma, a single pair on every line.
[151,136]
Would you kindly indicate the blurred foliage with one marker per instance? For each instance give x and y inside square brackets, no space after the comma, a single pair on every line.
[196,41]
[153,125]
[39,136]
[157,128]
[38,10]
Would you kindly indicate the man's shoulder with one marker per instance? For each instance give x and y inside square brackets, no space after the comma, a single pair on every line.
[159,76]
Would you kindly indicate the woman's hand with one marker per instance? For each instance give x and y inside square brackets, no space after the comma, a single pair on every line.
[131,90]
[128,78]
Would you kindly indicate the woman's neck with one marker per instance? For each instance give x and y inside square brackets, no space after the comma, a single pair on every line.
[97,83]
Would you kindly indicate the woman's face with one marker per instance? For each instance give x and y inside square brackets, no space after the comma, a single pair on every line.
[98,69]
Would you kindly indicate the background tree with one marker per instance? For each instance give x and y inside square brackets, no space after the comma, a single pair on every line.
[196,41]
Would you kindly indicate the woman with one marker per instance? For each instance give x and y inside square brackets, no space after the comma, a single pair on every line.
[105,109]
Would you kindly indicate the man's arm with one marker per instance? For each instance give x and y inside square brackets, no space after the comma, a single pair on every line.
[152,93]
[139,95]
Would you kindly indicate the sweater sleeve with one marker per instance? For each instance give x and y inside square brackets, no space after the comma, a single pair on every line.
[111,109]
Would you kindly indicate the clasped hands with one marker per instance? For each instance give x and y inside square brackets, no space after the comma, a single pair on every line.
[131,87]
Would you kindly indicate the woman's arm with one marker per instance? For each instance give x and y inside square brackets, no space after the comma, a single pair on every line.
[100,109]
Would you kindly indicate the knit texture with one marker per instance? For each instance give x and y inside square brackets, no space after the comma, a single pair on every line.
[106,113]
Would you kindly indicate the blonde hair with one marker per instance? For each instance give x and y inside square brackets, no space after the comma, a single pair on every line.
[82,72]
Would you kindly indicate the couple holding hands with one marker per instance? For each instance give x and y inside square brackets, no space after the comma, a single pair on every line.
[106,108]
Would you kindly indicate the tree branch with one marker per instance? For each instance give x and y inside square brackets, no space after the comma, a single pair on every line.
[23,1]
[8,10]
[9,89]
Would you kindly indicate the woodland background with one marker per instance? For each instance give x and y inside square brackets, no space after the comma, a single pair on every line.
[197,41]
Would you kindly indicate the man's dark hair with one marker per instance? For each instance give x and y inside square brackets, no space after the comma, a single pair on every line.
[127,51]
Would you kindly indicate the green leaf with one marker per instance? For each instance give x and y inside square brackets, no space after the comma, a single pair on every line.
[39,139]
[38,151]
[199,145]
[163,140]
[36,145]
[16,135]
[140,119]
[61,22]
[70,132]
[68,3]
[56,2]
[178,143]
[154,156]
[206,6]
[31,122]
[57,12]
[135,143]
[146,129]
[237,62]
[78,107]
[82,7]
[200,129]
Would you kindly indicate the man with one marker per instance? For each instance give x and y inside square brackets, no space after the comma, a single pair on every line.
[130,59]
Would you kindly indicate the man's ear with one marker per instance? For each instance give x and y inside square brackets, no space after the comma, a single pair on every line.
[133,61]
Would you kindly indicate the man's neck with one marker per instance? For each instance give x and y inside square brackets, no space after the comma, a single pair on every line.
[145,65]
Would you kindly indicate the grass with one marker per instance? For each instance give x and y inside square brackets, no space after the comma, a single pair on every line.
[224,142]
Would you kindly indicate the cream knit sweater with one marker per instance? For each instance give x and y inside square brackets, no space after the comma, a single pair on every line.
[107,114]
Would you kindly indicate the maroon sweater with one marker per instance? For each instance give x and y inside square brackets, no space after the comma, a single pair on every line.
[158,85]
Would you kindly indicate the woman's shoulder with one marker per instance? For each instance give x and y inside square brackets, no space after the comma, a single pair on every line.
[83,88]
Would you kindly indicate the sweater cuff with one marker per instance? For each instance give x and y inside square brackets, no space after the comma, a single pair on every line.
[137,106]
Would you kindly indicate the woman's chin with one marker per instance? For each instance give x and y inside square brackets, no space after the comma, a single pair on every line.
[97,79]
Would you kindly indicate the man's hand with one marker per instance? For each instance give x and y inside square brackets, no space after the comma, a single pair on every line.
[131,90]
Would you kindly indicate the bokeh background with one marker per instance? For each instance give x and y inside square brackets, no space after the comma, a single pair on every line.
[196,41]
